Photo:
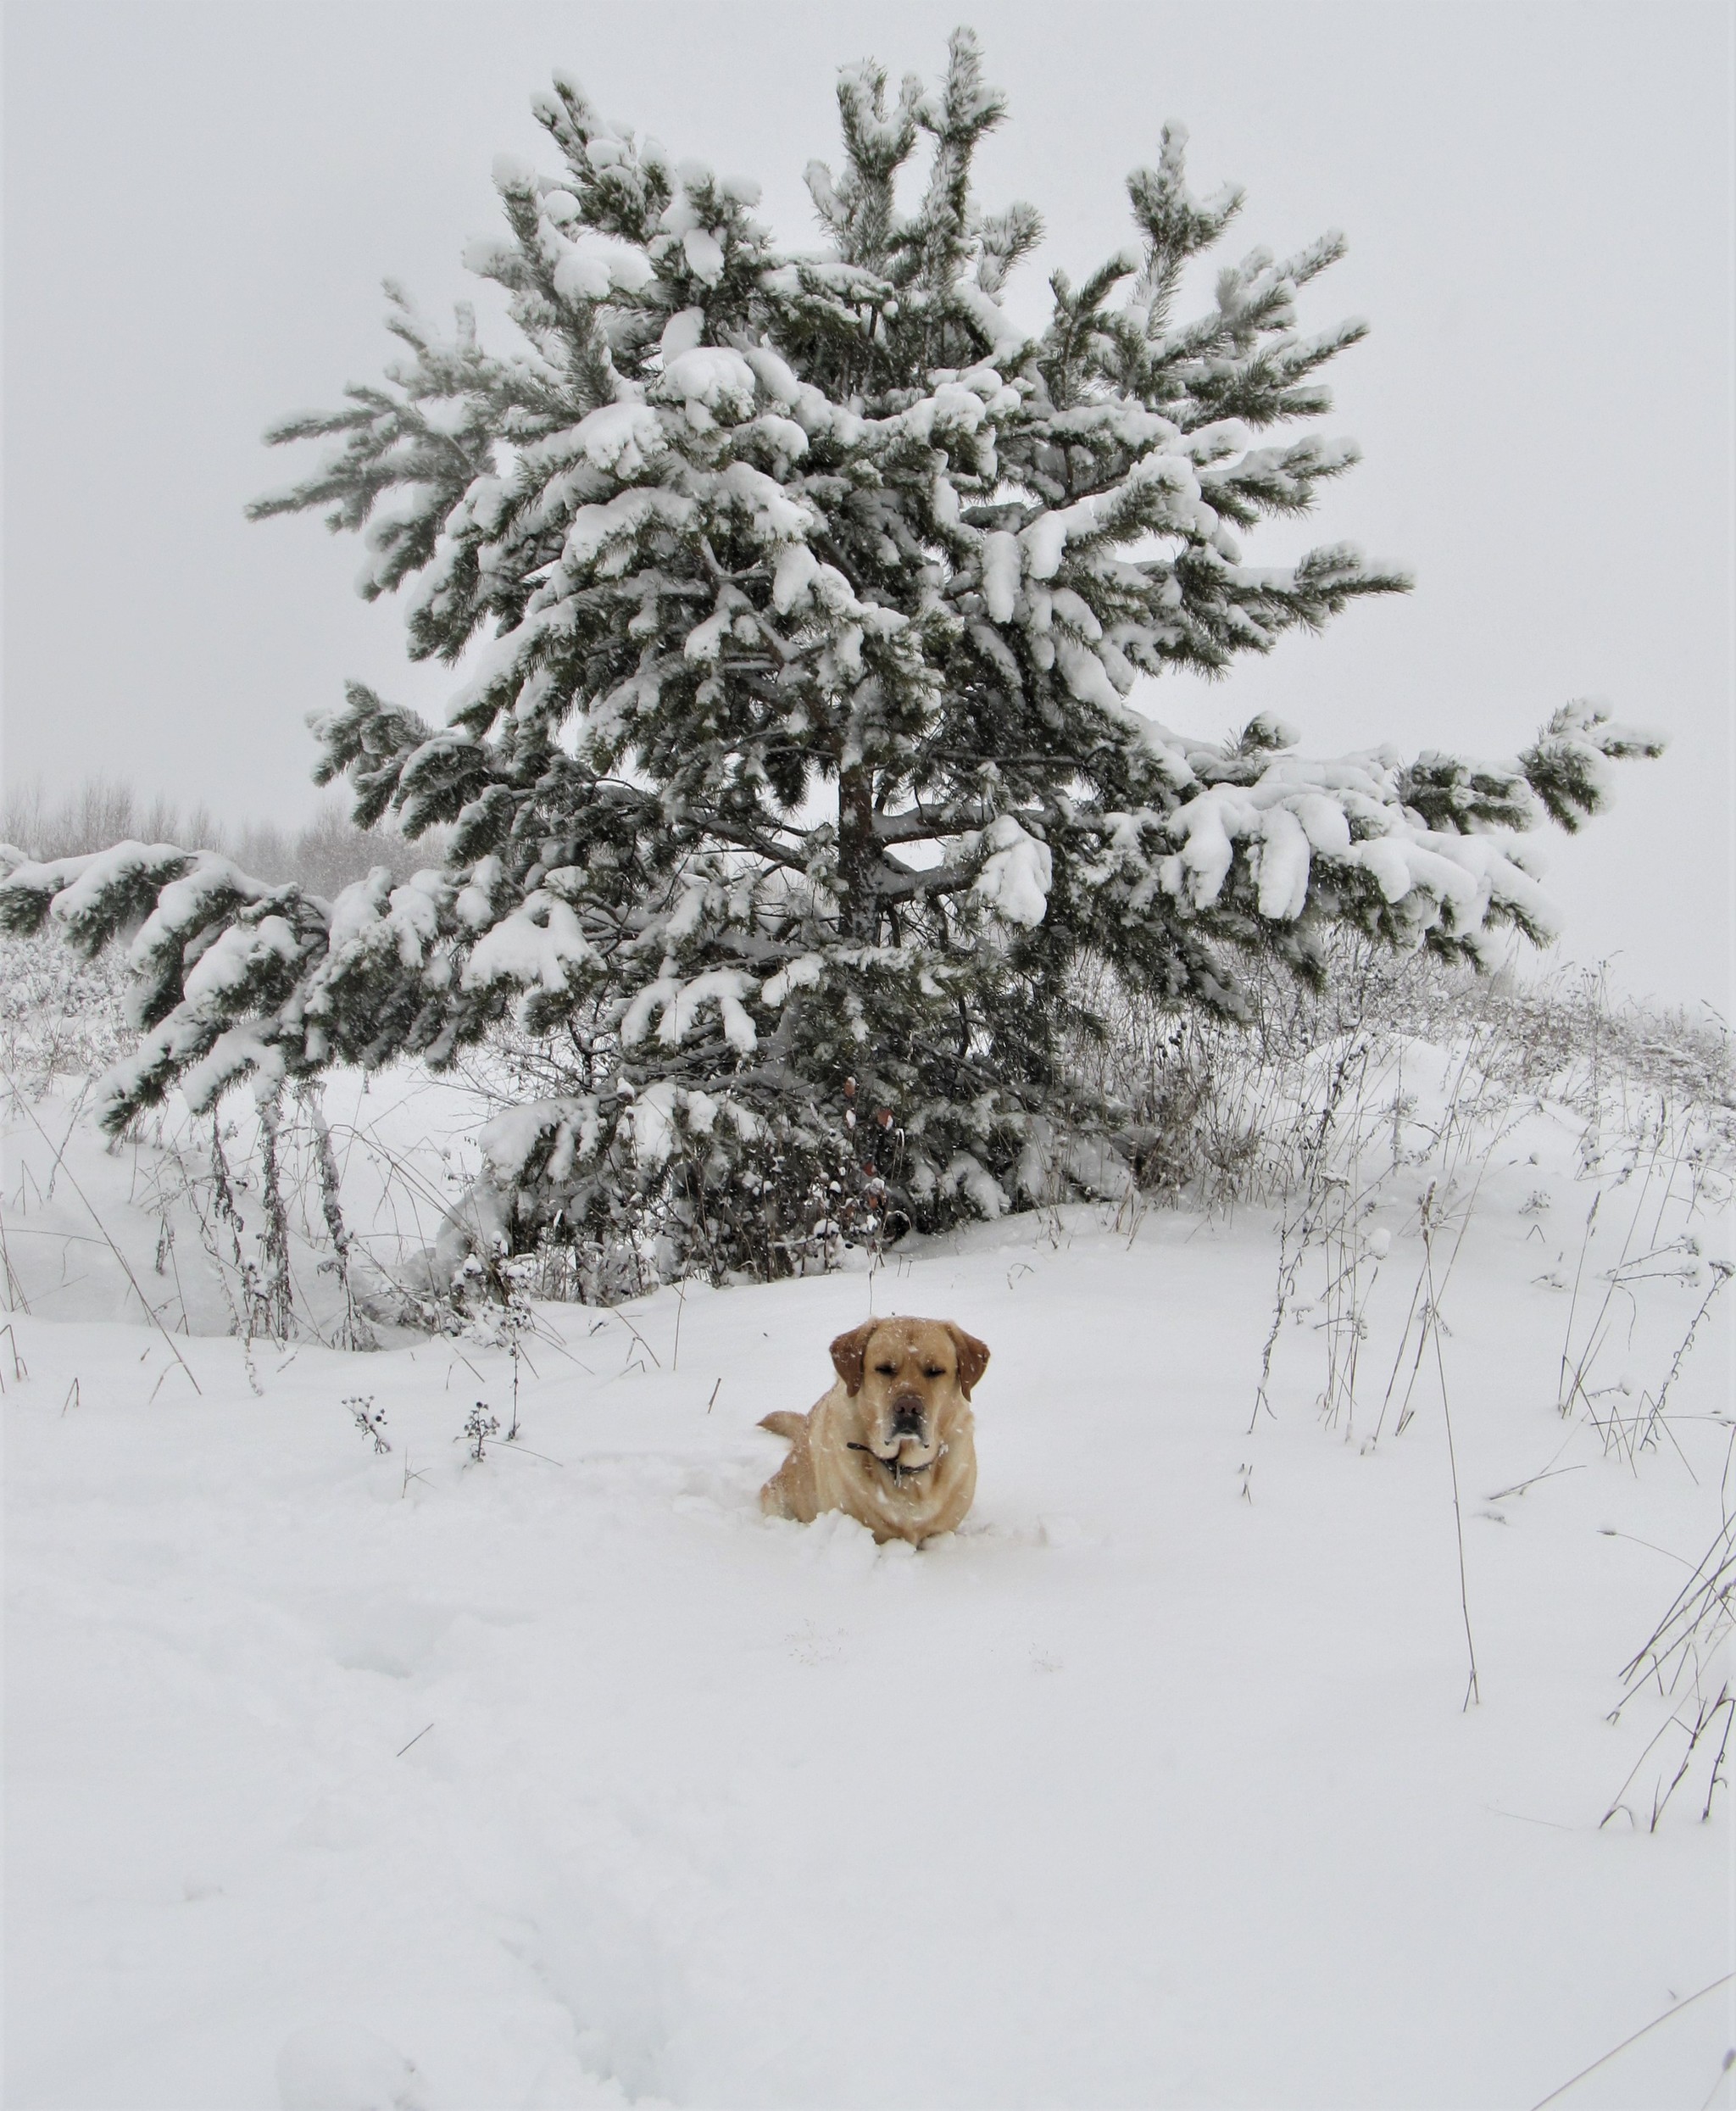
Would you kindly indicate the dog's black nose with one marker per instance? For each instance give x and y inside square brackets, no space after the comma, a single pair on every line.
[907,1417]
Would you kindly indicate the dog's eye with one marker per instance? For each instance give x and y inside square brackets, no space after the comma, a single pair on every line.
[886,1370]
[934,1370]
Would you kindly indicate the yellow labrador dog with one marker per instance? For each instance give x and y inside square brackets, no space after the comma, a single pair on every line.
[892,1443]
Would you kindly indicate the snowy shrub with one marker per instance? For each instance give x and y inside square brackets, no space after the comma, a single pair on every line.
[60,1017]
[1220,1112]
[369,1419]
[798,794]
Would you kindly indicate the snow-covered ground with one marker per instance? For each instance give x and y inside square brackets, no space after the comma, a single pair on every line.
[339,1777]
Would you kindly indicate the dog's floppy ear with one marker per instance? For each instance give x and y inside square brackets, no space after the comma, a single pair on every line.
[847,1353]
[973,1357]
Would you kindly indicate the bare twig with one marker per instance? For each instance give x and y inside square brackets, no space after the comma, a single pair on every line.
[1723,1979]
[1472,1691]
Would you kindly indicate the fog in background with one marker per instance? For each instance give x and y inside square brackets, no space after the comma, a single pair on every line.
[201,200]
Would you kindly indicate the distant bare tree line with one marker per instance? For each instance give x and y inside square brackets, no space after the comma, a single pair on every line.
[323,855]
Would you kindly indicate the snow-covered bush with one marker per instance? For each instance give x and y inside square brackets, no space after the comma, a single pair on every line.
[1218,1111]
[60,1017]
[798,775]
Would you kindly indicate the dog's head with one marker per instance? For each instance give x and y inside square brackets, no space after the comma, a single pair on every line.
[912,1379]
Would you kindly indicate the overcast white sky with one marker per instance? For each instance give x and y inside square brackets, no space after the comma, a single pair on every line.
[202,197]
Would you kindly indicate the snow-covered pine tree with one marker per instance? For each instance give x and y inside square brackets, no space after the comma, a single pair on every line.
[799,601]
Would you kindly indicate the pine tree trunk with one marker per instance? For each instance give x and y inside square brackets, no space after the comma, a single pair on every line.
[856,856]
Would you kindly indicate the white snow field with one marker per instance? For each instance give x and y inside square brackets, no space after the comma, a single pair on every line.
[339,1778]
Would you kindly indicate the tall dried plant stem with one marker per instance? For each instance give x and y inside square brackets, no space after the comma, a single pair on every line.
[274,1241]
[16,1302]
[253,1316]
[1297,1234]
[1722,1273]
[354,1332]
[1473,1694]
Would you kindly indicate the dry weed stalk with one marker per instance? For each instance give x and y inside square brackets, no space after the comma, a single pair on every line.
[354,1331]
[1685,1658]
[274,1239]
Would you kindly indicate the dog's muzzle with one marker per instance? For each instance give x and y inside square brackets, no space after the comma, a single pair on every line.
[908,1419]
